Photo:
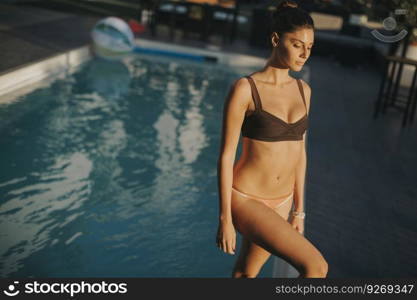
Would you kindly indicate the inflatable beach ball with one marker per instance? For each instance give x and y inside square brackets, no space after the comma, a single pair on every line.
[112,38]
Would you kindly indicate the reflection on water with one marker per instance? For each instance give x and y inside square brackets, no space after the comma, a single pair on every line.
[31,219]
[111,172]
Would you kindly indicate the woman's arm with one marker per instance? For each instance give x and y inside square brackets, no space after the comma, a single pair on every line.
[234,110]
[300,171]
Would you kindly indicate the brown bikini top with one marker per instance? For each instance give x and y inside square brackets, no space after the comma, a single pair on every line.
[264,126]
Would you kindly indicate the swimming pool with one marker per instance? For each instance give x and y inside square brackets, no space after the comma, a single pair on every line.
[111,171]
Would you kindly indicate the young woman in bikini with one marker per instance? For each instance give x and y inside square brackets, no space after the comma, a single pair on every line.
[256,194]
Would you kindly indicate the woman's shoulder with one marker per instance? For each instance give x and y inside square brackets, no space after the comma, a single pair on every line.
[307,93]
[241,83]
[241,91]
[305,85]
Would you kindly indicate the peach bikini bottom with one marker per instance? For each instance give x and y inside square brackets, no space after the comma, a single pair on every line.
[271,203]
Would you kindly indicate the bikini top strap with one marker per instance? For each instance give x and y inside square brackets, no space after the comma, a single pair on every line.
[255,94]
[300,86]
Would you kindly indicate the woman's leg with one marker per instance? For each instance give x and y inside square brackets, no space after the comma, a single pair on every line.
[251,256]
[250,261]
[270,232]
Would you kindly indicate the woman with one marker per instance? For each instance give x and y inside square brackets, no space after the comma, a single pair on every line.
[256,194]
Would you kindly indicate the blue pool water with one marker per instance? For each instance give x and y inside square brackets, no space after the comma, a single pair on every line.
[112,172]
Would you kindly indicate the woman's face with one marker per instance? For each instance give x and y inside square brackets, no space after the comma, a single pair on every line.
[294,48]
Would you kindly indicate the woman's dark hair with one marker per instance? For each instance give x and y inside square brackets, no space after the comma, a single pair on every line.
[288,17]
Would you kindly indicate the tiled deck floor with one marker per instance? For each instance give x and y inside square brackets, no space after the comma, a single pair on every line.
[362,177]
[28,34]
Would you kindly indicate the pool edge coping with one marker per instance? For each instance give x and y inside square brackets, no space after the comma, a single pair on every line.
[28,77]
[33,75]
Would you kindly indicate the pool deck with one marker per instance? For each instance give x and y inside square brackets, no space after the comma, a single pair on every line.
[361,192]
[30,34]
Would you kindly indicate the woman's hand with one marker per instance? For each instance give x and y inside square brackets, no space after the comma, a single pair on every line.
[226,237]
[298,224]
